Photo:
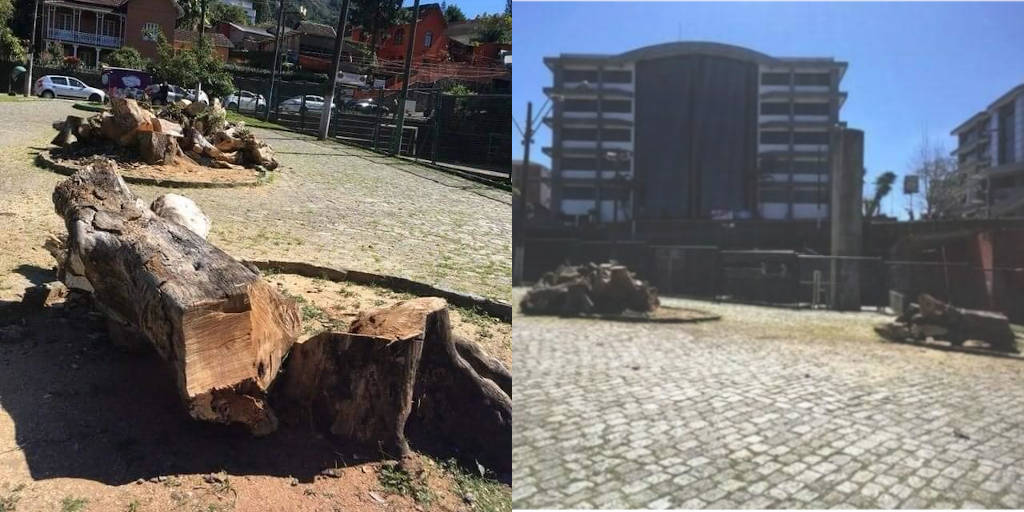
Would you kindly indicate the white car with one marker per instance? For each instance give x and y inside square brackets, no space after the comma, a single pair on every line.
[54,86]
[245,100]
[294,105]
[202,98]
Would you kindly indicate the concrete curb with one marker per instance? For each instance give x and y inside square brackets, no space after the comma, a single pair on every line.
[497,309]
[45,161]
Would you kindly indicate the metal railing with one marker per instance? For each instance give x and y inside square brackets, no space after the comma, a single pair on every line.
[75,36]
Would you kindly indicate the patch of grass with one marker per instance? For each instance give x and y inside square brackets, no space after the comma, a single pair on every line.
[395,481]
[70,504]
[134,506]
[17,97]
[89,107]
[482,321]
[9,500]
[253,122]
[487,495]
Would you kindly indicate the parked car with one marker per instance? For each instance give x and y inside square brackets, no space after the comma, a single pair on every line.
[294,105]
[174,93]
[366,106]
[245,100]
[191,96]
[56,86]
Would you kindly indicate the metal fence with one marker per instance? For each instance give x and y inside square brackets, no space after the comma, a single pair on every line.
[470,130]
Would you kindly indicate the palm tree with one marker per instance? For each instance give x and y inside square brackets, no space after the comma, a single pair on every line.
[883,185]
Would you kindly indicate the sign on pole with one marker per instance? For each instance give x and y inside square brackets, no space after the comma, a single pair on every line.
[910,184]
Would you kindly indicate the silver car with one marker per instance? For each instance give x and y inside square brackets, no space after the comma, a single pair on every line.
[245,101]
[56,86]
[294,105]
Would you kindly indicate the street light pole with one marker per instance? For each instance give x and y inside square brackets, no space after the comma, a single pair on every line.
[31,50]
[277,57]
[332,88]
[519,223]
[396,137]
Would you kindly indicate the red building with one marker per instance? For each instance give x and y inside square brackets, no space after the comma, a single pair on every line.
[431,42]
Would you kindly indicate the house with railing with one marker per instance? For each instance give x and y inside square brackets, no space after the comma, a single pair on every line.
[89,29]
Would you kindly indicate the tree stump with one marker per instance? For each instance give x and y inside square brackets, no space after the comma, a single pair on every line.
[157,148]
[454,407]
[222,329]
[356,387]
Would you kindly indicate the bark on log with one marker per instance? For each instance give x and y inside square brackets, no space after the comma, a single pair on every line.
[453,405]
[356,387]
[222,329]
[68,128]
[157,148]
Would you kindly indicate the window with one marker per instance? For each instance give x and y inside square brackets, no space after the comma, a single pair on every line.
[110,27]
[774,137]
[590,164]
[580,105]
[59,80]
[578,192]
[618,77]
[428,38]
[774,195]
[810,195]
[398,35]
[150,31]
[810,138]
[579,134]
[579,75]
[774,109]
[74,82]
[812,79]
[775,79]
[810,167]
[618,106]
[616,135]
[811,109]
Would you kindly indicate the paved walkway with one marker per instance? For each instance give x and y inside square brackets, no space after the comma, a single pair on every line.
[769,408]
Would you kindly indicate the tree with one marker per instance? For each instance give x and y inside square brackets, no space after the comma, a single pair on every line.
[192,9]
[374,16]
[883,185]
[943,188]
[220,11]
[453,13]
[126,57]
[263,12]
[494,28]
[11,48]
[190,66]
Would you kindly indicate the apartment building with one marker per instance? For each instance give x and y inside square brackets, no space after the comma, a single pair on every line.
[89,29]
[990,153]
[691,130]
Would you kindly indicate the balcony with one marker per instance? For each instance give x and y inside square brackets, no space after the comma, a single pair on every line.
[72,36]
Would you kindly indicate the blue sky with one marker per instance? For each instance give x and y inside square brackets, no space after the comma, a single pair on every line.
[471,8]
[915,69]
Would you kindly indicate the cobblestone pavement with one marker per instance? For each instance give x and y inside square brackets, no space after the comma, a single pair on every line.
[768,408]
[331,205]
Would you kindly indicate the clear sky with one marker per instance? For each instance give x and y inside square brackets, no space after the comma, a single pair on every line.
[471,8]
[915,69]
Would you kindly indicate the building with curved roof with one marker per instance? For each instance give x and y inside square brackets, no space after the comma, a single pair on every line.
[692,130]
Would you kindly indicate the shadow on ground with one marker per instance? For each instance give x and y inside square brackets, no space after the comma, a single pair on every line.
[82,408]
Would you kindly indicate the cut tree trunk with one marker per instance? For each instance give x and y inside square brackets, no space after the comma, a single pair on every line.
[222,329]
[157,148]
[356,387]
[454,407]
[67,129]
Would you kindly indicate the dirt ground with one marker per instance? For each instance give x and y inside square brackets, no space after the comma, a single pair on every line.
[184,171]
[87,427]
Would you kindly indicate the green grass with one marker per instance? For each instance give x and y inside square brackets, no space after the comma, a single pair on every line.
[18,97]
[69,504]
[395,481]
[235,117]
[90,106]
[488,495]
[9,500]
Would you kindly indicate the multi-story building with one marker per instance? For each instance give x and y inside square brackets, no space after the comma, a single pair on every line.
[990,154]
[89,29]
[692,130]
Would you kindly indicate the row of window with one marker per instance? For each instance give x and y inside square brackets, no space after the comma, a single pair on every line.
[608,134]
[613,106]
[784,166]
[817,195]
[798,79]
[590,192]
[590,75]
[590,164]
[782,137]
[799,109]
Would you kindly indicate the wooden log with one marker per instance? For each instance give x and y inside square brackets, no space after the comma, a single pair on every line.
[455,409]
[220,327]
[67,129]
[356,387]
[157,148]
[168,127]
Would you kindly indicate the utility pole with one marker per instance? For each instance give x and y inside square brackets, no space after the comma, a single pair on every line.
[519,223]
[396,137]
[31,50]
[332,87]
[202,34]
[277,57]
